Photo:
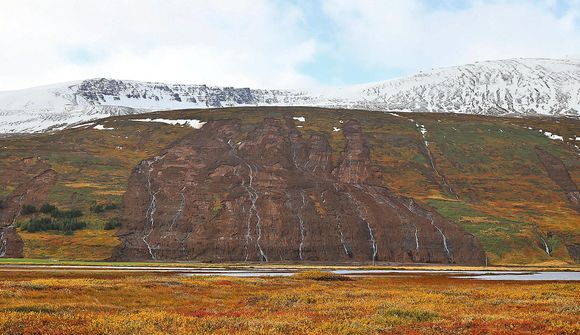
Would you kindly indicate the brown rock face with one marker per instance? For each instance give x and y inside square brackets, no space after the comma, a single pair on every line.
[559,174]
[32,191]
[270,194]
[574,251]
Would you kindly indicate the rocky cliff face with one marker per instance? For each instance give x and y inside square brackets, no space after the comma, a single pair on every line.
[37,179]
[559,174]
[227,193]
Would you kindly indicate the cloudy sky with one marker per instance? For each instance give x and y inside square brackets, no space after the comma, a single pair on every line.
[272,43]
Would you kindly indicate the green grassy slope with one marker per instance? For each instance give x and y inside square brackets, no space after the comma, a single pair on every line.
[488,178]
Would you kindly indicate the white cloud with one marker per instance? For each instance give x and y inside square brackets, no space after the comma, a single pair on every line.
[405,34]
[264,43]
[241,43]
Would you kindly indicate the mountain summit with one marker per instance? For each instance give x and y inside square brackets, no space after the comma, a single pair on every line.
[517,87]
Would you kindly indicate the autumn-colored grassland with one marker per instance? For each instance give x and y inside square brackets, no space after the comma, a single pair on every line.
[50,302]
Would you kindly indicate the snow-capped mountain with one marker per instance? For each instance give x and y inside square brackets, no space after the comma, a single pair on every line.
[505,87]
[57,106]
[515,86]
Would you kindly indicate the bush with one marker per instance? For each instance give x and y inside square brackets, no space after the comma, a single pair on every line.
[41,224]
[47,208]
[112,224]
[28,209]
[99,208]
[67,225]
[110,206]
[321,276]
[73,213]
[217,205]
[411,315]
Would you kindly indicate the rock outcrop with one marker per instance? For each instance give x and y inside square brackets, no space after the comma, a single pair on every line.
[559,174]
[227,193]
[32,191]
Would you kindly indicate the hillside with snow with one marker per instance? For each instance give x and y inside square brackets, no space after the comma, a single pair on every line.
[517,87]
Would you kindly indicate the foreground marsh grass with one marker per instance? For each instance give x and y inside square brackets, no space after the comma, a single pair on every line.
[45,302]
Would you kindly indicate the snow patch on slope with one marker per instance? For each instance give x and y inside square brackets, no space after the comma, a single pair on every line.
[194,123]
[553,136]
[101,127]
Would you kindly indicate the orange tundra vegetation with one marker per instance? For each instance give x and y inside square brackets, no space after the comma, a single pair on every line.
[45,302]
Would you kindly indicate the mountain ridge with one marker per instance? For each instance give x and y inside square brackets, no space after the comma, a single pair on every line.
[513,87]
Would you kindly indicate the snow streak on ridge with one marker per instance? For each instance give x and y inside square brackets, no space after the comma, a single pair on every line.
[515,87]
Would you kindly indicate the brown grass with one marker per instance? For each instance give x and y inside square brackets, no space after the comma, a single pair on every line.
[320,276]
[127,303]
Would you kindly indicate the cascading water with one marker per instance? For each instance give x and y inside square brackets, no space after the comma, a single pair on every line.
[179,209]
[150,214]
[178,212]
[411,207]
[294,161]
[384,201]
[364,219]
[438,175]
[253,195]
[416,239]
[546,247]
[3,244]
[301,222]
[182,247]
[345,246]
[442,236]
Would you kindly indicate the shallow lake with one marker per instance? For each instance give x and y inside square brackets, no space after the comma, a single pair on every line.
[288,271]
[474,275]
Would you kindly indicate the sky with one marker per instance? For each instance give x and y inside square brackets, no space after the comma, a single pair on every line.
[272,43]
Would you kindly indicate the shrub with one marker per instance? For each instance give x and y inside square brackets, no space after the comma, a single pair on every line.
[99,208]
[73,213]
[67,225]
[321,276]
[30,309]
[28,209]
[412,315]
[216,210]
[110,206]
[47,208]
[217,205]
[112,224]
[41,224]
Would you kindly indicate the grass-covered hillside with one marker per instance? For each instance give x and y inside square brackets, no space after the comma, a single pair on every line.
[483,173]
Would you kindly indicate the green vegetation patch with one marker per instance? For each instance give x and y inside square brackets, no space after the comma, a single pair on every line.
[410,315]
[496,235]
[320,276]
[112,224]
[65,225]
